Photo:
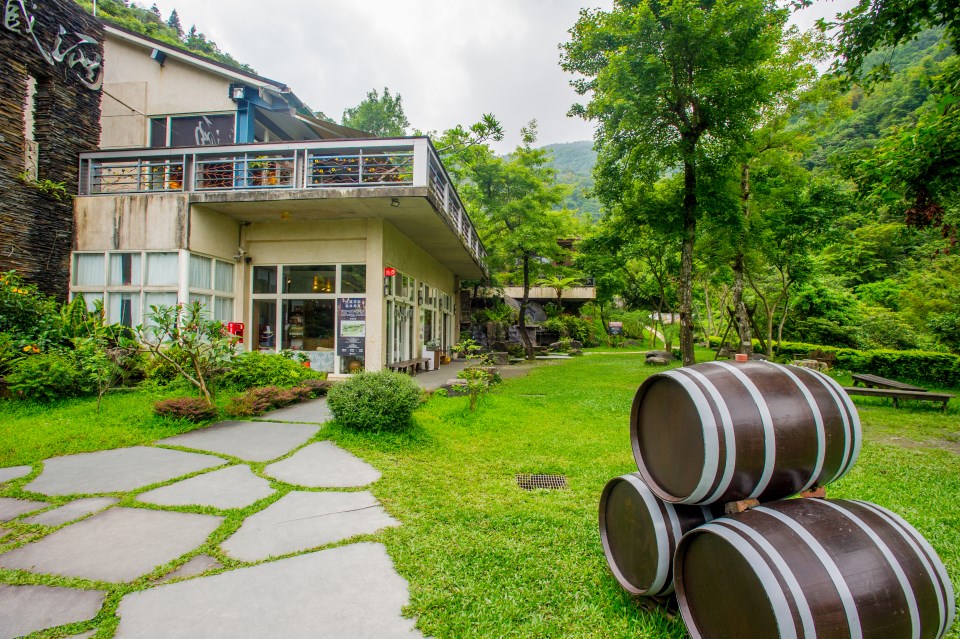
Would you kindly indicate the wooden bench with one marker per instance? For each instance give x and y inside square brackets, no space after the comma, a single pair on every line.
[830,359]
[409,366]
[897,395]
[875,381]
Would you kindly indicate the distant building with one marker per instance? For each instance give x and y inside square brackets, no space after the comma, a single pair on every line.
[218,185]
[50,75]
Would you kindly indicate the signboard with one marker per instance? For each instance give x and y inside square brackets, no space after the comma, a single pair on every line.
[351,326]
[615,328]
[389,271]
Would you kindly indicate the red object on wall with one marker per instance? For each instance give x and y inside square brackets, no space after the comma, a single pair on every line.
[389,271]
[236,328]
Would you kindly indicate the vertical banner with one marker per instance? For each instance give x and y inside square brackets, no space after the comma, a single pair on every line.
[351,326]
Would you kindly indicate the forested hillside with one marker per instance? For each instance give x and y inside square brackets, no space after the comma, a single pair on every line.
[574,162]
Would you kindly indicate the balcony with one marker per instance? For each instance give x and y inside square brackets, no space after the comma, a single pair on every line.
[287,174]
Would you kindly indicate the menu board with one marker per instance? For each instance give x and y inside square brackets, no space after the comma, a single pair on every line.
[351,326]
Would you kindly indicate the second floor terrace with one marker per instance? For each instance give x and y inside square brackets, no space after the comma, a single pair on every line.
[401,180]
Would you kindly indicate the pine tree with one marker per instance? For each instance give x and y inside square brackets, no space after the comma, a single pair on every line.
[174,23]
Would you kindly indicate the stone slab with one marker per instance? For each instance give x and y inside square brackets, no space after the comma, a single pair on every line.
[196,565]
[26,609]
[352,591]
[251,441]
[11,508]
[116,470]
[72,510]
[323,465]
[315,411]
[300,520]
[117,545]
[83,635]
[231,487]
[14,472]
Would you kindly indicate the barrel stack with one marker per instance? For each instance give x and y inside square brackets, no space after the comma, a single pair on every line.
[720,447]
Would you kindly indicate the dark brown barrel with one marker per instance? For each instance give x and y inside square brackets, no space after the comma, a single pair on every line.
[640,532]
[812,568]
[725,431]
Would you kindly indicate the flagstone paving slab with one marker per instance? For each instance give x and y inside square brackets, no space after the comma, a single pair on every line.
[85,635]
[314,411]
[117,545]
[26,609]
[72,510]
[352,591]
[323,465]
[11,508]
[196,565]
[14,472]
[252,441]
[121,469]
[301,520]
[232,487]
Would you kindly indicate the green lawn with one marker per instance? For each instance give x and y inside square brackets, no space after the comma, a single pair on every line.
[486,559]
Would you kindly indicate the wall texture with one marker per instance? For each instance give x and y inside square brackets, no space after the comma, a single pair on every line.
[36,230]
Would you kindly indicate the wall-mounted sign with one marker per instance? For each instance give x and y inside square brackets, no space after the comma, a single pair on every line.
[81,57]
[389,271]
[351,326]
[615,328]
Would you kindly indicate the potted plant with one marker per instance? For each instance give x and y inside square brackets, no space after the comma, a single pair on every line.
[465,347]
[431,350]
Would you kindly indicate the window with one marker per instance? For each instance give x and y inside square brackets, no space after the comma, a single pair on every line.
[163,269]
[193,130]
[125,269]
[211,284]
[88,270]
[353,278]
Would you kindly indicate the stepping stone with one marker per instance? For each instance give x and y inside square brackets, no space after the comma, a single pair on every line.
[252,441]
[26,609]
[85,635]
[73,510]
[300,520]
[352,591]
[314,411]
[117,545]
[116,470]
[14,472]
[196,565]
[323,465]
[232,487]
[11,508]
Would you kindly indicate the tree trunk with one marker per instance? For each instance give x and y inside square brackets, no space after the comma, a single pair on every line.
[603,322]
[708,308]
[524,338]
[743,319]
[686,256]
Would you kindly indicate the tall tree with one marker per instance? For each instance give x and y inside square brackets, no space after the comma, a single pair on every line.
[671,82]
[174,23]
[381,115]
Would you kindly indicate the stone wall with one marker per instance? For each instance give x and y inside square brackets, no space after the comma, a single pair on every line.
[36,229]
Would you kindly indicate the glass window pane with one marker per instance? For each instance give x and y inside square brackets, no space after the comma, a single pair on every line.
[88,270]
[201,272]
[158,132]
[353,278]
[264,329]
[155,299]
[223,309]
[124,309]
[125,269]
[309,324]
[205,300]
[90,299]
[162,269]
[202,130]
[264,279]
[224,277]
[309,279]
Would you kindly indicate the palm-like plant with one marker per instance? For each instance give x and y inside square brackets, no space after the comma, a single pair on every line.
[559,284]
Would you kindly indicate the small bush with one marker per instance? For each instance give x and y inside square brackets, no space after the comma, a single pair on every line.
[257,401]
[193,409]
[45,377]
[319,387]
[254,369]
[382,401]
[160,370]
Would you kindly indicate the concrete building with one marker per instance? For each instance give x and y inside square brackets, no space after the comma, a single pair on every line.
[217,185]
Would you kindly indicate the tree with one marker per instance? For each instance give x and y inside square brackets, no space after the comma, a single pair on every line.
[381,115]
[672,82]
[174,23]
[559,285]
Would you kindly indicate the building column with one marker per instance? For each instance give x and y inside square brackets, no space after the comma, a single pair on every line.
[375,347]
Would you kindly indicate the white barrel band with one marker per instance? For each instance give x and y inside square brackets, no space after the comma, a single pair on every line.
[729,435]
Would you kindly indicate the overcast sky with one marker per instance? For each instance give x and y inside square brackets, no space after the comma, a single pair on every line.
[450,60]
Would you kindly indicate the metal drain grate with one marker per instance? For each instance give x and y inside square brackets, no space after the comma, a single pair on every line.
[542,482]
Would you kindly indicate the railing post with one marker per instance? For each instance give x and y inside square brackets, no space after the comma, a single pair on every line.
[189,173]
[298,181]
[421,163]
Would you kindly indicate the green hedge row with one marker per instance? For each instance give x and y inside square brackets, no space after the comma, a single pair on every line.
[940,369]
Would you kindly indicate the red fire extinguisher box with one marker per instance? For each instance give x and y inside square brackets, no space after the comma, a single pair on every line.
[236,328]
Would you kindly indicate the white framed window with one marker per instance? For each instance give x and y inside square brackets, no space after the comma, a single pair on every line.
[126,288]
[211,284]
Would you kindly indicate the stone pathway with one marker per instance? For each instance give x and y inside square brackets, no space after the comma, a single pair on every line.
[167,517]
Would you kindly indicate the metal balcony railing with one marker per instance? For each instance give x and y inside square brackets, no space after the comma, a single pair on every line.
[403,162]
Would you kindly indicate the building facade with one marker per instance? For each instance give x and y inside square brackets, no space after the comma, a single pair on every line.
[219,186]
[50,77]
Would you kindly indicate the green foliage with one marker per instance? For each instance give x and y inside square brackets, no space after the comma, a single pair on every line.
[381,115]
[49,376]
[572,327]
[56,190]
[193,409]
[267,369]
[478,380]
[375,402]
[257,401]
[27,315]
[573,163]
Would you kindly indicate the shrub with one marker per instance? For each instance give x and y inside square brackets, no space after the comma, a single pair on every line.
[319,387]
[257,401]
[160,370]
[267,369]
[30,317]
[194,409]
[45,377]
[382,401]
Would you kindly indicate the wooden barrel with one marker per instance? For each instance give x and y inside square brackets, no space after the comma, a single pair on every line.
[812,568]
[725,431]
[639,533]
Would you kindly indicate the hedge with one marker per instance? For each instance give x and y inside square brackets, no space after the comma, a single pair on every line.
[939,369]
